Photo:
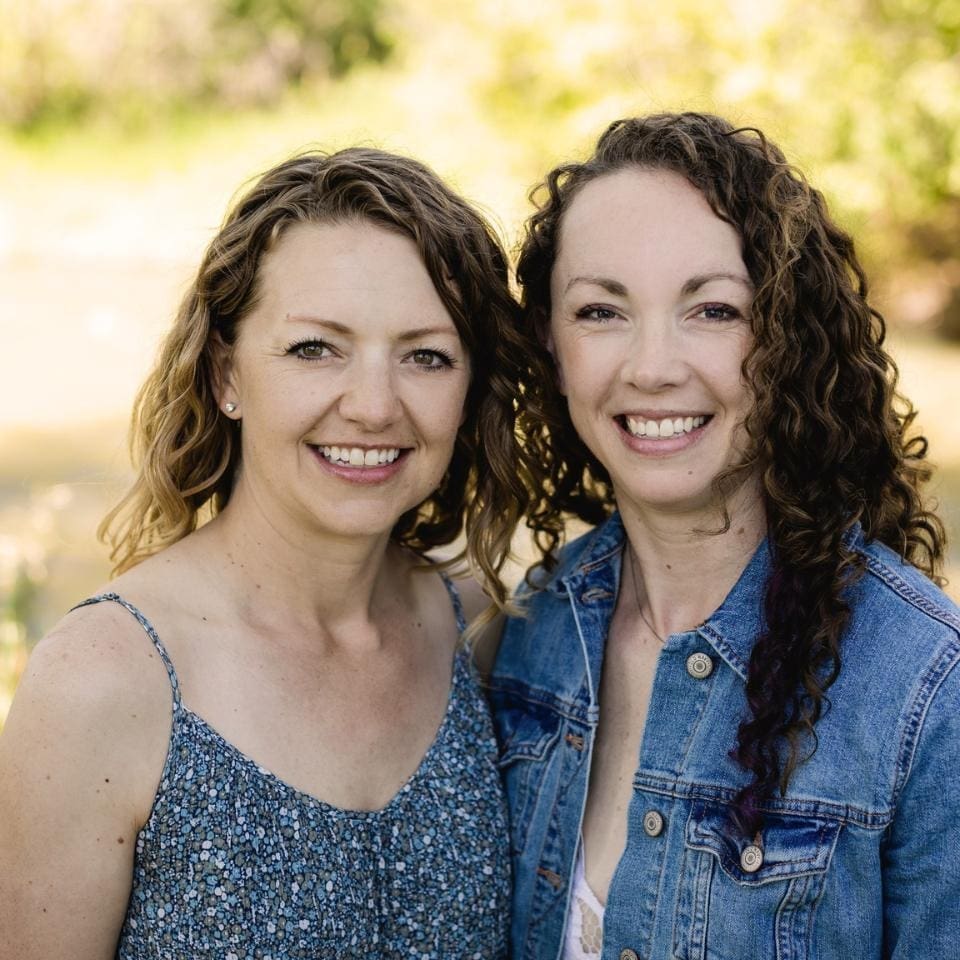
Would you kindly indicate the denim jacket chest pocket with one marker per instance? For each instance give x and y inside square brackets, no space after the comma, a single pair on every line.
[737,900]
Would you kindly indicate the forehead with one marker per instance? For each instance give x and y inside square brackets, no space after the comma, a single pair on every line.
[355,274]
[639,217]
[354,257]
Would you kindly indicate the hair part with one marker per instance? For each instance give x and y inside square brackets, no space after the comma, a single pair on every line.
[187,452]
[829,436]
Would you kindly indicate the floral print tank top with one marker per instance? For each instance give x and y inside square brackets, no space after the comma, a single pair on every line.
[235,864]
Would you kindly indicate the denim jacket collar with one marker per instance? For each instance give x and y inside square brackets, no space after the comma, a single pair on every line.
[593,573]
[591,578]
[604,545]
[732,629]
[734,626]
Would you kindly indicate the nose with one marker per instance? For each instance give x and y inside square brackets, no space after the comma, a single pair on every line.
[654,358]
[370,398]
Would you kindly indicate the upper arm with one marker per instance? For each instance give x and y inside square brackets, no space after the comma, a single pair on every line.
[78,764]
[921,855]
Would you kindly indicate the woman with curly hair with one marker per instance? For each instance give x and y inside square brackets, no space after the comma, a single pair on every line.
[728,714]
[325,783]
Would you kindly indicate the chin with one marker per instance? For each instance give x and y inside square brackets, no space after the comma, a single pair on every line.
[668,497]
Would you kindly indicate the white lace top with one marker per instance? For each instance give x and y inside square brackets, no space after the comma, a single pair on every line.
[583,938]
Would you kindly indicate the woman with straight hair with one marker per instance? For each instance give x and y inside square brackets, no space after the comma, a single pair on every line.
[729,715]
[262,739]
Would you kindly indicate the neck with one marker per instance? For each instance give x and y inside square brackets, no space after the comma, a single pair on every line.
[309,581]
[683,569]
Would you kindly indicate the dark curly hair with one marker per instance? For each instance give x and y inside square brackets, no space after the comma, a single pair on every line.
[187,452]
[828,433]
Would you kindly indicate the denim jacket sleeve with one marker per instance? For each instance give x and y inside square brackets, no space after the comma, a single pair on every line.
[921,852]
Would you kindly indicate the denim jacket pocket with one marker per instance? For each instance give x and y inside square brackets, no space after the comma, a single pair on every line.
[526,739]
[736,899]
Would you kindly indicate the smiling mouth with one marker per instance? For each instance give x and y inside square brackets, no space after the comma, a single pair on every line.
[662,429]
[360,456]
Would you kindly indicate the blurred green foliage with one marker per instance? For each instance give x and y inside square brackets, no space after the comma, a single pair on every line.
[866,92]
[62,61]
[865,95]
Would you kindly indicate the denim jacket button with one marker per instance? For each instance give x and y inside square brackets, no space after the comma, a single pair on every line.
[628,954]
[699,666]
[652,823]
[751,860]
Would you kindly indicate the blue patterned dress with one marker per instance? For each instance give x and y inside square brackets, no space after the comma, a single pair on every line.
[235,864]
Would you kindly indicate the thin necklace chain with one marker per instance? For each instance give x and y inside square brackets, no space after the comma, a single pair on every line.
[636,594]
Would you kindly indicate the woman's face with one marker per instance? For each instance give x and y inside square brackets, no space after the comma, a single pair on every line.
[349,378]
[649,329]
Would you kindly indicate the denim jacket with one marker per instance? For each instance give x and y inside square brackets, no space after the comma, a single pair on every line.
[859,860]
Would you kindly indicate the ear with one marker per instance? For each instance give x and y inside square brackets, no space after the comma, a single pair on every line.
[225,387]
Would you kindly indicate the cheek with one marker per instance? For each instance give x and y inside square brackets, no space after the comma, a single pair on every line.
[587,379]
[438,424]
[739,390]
[587,374]
[719,365]
[441,410]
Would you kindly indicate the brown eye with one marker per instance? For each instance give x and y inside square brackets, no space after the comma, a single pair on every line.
[600,314]
[309,349]
[718,311]
[431,359]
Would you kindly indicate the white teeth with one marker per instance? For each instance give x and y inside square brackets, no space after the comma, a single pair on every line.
[358,457]
[669,427]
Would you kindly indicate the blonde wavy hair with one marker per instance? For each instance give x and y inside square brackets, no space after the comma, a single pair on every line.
[186,452]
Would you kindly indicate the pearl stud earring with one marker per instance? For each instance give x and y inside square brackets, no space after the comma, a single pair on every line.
[229,406]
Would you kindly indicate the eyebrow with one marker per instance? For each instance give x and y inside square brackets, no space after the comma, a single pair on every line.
[449,330]
[617,289]
[614,287]
[406,336]
[702,279]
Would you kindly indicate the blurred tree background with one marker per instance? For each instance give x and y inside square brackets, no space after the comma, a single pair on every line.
[126,126]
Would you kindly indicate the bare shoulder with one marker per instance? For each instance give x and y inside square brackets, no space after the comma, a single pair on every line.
[94,696]
[96,658]
[80,758]
[484,623]
[473,597]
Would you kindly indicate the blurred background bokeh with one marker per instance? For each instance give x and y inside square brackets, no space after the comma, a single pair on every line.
[127,125]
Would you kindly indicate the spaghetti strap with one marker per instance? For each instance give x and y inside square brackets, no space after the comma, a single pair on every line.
[151,633]
[455,600]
